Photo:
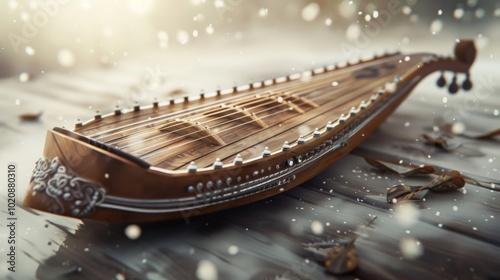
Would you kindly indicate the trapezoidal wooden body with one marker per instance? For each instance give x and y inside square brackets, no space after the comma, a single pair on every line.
[215,151]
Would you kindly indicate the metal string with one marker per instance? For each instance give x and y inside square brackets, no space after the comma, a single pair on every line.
[158,150]
[149,121]
[197,117]
[248,122]
[192,120]
[318,86]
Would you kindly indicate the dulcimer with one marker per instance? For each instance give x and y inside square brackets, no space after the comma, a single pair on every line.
[210,152]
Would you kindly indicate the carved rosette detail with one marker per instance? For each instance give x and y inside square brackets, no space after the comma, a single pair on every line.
[64,189]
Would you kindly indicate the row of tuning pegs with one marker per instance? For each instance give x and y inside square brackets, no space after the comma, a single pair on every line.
[453,86]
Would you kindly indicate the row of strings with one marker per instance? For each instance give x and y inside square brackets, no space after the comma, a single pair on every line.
[303,91]
[311,90]
[318,92]
[150,122]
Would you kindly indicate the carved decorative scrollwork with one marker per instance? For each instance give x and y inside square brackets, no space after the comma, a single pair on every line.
[52,179]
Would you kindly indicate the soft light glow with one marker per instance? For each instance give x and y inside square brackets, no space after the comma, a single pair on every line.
[233,250]
[310,12]
[347,9]
[182,37]
[436,26]
[141,7]
[411,248]
[317,227]
[24,77]
[29,51]
[66,58]
[206,270]
[407,214]
[133,231]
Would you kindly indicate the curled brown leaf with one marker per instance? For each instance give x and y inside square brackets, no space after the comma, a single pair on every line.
[487,135]
[448,181]
[447,128]
[441,141]
[427,169]
[342,258]
[30,117]
[420,170]
[400,193]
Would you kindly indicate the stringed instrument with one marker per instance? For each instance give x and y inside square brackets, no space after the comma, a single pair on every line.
[206,153]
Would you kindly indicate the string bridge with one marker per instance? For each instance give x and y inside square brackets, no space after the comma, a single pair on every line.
[193,130]
[259,111]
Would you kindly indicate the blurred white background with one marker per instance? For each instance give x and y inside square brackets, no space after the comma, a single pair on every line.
[65,35]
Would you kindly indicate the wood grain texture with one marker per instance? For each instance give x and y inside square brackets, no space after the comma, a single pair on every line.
[227,149]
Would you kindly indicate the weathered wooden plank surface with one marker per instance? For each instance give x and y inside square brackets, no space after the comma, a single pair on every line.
[447,236]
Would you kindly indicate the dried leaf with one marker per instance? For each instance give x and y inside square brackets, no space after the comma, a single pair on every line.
[177,91]
[399,193]
[427,169]
[488,135]
[441,142]
[320,245]
[448,181]
[486,185]
[447,128]
[421,170]
[28,117]
[339,257]
[342,258]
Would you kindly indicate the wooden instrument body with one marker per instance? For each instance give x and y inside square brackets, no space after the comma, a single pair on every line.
[92,172]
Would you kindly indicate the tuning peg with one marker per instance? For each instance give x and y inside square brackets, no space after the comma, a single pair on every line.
[286,146]
[453,88]
[353,111]
[342,118]
[192,167]
[218,163]
[441,82]
[238,159]
[467,84]
[363,105]
[329,126]
[266,152]
[316,133]
[301,140]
